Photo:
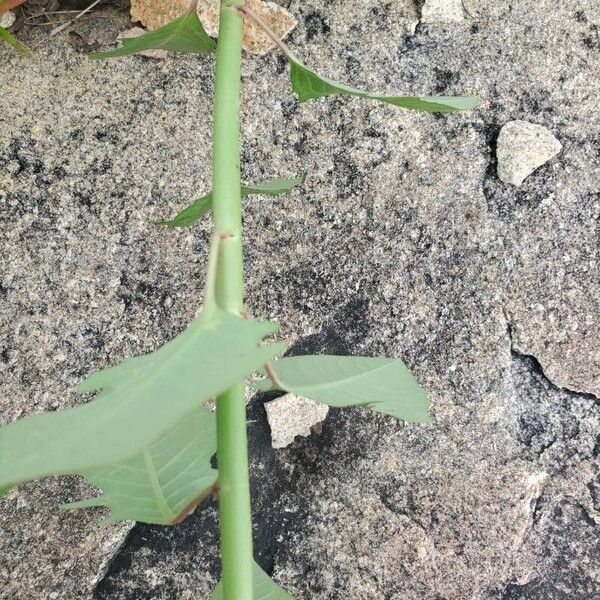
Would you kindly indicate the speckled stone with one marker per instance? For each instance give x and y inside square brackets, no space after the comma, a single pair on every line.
[401,242]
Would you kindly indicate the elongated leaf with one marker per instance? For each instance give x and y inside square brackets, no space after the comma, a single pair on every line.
[184,34]
[273,187]
[309,85]
[141,399]
[9,38]
[165,480]
[383,385]
[264,588]
[192,213]
[188,216]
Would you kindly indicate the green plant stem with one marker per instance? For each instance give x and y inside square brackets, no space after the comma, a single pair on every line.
[232,442]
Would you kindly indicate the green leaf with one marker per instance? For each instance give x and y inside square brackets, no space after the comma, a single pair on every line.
[184,34]
[309,85]
[192,213]
[163,482]
[264,588]
[141,400]
[9,38]
[383,385]
[273,187]
[188,216]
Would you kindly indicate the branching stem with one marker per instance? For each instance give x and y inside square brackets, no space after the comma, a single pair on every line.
[232,441]
[270,371]
[212,270]
[245,10]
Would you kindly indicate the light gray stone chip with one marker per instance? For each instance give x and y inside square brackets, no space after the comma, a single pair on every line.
[292,415]
[522,148]
[443,11]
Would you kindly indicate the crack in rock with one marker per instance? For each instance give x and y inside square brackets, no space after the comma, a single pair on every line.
[516,351]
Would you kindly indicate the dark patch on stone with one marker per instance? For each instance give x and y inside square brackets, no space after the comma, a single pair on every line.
[300,146]
[281,64]
[397,497]
[420,40]
[596,450]
[594,489]
[536,102]
[591,42]
[568,530]
[77,135]
[445,79]
[277,507]
[289,108]
[199,530]
[534,590]
[315,25]
[379,17]
[352,67]
[346,327]
[550,422]
[534,433]
[80,45]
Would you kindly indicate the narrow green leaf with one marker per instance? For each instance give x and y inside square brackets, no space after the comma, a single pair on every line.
[141,399]
[273,187]
[192,213]
[188,216]
[164,479]
[9,38]
[309,85]
[184,34]
[383,385]
[264,588]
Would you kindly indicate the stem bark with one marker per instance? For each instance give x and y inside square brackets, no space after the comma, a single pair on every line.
[232,452]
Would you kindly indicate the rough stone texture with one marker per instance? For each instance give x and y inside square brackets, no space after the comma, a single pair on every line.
[291,416]
[443,11]
[522,148]
[402,241]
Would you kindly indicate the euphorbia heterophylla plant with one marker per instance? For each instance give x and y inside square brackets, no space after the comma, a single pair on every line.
[146,439]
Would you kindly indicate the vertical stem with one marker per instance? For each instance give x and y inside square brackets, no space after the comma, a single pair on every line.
[232,453]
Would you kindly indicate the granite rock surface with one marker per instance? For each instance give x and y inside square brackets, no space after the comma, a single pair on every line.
[402,241]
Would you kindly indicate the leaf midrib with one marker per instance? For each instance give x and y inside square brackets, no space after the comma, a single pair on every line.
[338,382]
[156,488]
